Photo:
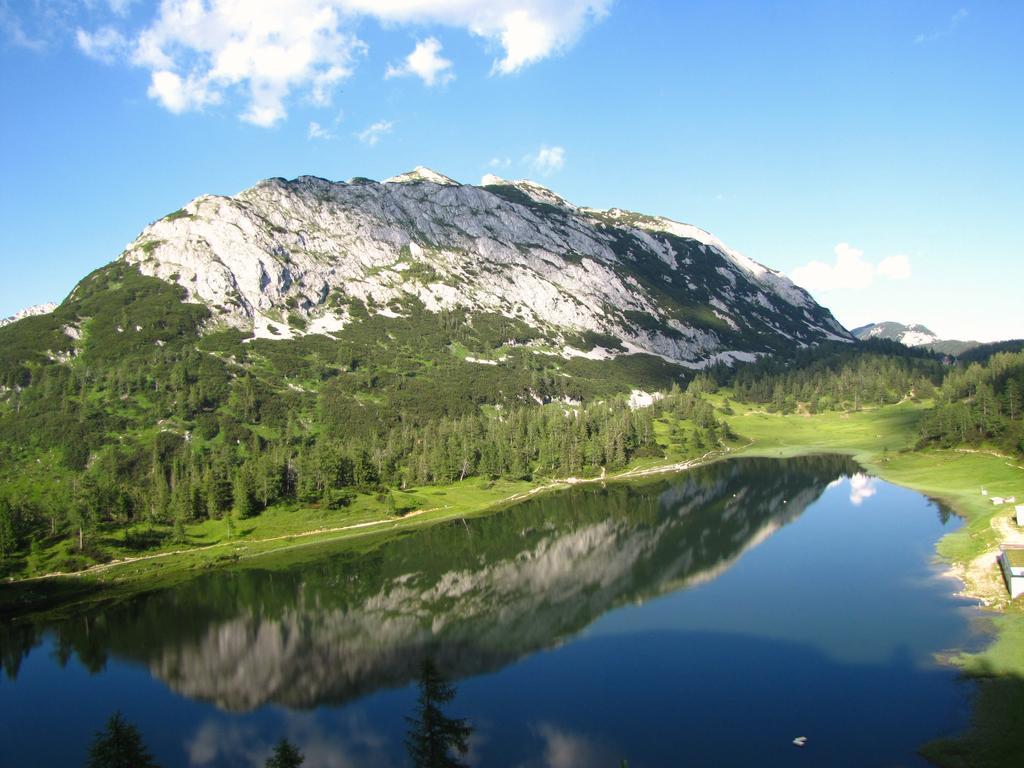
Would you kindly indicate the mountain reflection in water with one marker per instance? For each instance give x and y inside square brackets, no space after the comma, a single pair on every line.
[473,595]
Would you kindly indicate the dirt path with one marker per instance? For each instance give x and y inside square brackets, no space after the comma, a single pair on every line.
[982,577]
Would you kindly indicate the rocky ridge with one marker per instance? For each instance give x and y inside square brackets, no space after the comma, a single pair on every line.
[33,311]
[288,258]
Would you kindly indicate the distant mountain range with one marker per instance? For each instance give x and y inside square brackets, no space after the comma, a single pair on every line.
[913,336]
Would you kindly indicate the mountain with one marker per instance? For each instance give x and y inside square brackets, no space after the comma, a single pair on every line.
[38,309]
[913,336]
[289,258]
[307,341]
[522,294]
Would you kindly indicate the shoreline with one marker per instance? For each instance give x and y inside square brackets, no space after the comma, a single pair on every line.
[881,441]
[104,576]
[979,577]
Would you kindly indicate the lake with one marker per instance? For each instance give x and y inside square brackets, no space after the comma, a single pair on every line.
[705,618]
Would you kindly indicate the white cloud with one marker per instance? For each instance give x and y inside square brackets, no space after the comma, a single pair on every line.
[317,131]
[426,63]
[849,271]
[267,49]
[343,741]
[180,95]
[106,44]
[894,267]
[565,749]
[271,51]
[954,21]
[862,487]
[547,161]
[499,162]
[371,135]
[526,30]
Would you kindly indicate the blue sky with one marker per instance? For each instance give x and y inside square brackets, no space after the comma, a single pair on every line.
[871,150]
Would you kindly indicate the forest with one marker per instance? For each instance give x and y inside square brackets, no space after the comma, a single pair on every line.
[134,417]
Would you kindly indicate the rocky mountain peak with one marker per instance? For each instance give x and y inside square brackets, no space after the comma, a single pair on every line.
[289,258]
[421,173]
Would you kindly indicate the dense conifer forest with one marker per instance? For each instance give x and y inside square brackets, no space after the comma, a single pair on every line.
[149,422]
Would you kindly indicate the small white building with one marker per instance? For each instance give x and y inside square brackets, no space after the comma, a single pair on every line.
[1011,560]
[1020,514]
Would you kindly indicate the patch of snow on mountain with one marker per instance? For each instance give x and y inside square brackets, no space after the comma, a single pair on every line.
[597,353]
[640,399]
[916,338]
[729,357]
[328,324]
[268,328]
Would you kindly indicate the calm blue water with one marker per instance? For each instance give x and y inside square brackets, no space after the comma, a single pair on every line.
[705,619]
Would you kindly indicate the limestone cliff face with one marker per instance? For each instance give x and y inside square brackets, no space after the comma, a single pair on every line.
[311,250]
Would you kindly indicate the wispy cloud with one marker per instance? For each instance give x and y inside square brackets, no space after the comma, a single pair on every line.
[120,7]
[317,131]
[547,160]
[850,271]
[106,44]
[426,63]
[372,134]
[954,21]
[499,162]
[37,26]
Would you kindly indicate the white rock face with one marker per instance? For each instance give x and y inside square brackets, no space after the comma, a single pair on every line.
[38,309]
[310,247]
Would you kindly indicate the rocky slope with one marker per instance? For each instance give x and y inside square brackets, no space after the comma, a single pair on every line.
[34,311]
[289,258]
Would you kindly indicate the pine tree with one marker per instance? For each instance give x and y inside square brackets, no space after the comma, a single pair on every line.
[8,540]
[285,756]
[119,745]
[243,493]
[83,509]
[432,735]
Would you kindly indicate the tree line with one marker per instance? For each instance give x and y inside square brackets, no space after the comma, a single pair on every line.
[177,480]
[980,403]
